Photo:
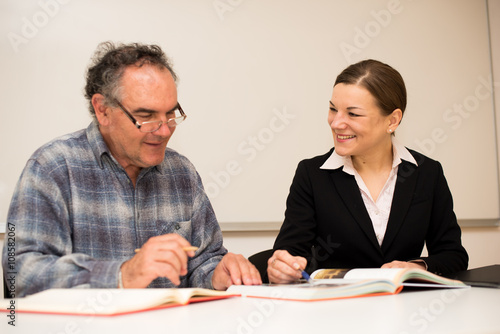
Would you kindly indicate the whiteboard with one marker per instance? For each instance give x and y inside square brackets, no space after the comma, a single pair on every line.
[255,80]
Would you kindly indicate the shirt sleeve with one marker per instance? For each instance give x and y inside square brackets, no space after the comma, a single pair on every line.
[39,214]
[208,235]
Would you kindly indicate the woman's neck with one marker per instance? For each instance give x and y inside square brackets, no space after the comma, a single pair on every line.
[377,162]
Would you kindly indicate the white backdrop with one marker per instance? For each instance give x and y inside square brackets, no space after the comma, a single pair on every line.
[255,80]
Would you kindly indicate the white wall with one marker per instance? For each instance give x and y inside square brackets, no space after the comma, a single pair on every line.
[482,243]
[255,81]
[41,85]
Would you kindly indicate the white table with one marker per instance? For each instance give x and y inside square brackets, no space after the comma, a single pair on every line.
[474,310]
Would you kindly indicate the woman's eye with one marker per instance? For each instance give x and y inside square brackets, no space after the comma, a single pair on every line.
[333,110]
[353,114]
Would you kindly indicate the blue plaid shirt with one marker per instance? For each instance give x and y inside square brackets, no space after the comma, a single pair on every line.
[78,217]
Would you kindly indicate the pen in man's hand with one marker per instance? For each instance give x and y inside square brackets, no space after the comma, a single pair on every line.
[186,249]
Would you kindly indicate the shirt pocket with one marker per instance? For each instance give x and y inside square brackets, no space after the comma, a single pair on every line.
[183,228]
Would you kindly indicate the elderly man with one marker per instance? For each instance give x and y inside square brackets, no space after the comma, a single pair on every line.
[111,206]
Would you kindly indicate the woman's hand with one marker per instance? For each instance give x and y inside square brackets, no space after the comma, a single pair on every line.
[402,264]
[285,268]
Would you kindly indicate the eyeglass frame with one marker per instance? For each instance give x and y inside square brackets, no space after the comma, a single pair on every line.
[138,125]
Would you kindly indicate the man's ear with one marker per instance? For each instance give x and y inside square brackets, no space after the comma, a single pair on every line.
[100,108]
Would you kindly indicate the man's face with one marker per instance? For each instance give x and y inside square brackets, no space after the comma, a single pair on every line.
[148,93]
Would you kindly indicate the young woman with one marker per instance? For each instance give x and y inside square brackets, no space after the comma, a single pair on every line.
[369,202]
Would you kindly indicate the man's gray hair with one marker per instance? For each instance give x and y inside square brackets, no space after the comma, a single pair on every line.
[109,63]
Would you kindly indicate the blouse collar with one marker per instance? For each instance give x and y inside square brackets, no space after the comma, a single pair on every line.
[399,153]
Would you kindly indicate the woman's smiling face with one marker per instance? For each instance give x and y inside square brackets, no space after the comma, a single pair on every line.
[359,128]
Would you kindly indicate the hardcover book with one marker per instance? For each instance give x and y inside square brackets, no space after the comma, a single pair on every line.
[326,284]
[108,302]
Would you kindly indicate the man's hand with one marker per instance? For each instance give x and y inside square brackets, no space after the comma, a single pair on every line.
[285,268]
[234,269]
[161,256]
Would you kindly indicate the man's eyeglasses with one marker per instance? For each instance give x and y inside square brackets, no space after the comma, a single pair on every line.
[152,126]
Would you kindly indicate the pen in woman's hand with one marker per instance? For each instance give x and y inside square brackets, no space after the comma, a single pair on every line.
[303,273]
[306,276]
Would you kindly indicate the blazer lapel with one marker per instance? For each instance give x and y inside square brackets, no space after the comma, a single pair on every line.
[349,192]
[403,194]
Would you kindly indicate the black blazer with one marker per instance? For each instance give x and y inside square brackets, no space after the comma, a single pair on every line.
[327,223]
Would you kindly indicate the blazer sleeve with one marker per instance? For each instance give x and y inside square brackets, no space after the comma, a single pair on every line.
[299,227]
[445,251]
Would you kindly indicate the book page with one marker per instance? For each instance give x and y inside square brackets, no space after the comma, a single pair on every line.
[329,273]
[184,295]
[95,301]
[397,276]
[315,291]
[107,301]
[391,274]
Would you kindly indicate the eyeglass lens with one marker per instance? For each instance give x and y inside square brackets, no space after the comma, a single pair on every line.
[173,121]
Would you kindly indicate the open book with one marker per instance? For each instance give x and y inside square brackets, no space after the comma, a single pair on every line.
[328,284]
[108,302]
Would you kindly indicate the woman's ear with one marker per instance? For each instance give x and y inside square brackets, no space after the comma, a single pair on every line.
[394,119]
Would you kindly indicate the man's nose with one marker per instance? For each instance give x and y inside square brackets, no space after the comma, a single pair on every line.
[164,130]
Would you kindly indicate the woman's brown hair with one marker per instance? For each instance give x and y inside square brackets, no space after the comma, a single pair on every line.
[381,80]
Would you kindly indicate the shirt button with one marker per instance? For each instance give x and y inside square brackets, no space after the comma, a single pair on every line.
[177,226]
